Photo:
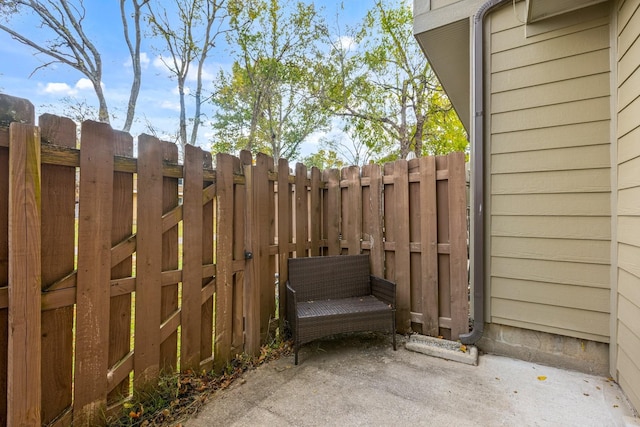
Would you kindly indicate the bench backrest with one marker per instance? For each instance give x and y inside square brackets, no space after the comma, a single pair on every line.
[341,276]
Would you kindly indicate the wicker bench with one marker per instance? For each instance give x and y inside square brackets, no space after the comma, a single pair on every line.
[336,294]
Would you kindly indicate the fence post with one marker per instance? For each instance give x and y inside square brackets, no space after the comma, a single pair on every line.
[24,276]
[334,211]
[94,273]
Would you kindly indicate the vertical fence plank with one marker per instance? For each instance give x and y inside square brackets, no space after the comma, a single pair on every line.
[94,273]
[170,247]
[24,344]
[284,234]
[192,237]
[353,211]
[302,213]
[22,111]
[402,244]
[252,276]
[237,339]
[374,206]
[458,245]
[148,262]
[266,269]
[334,210]
[429,246]
[120,307]
[4,265]
[58,257]
[224,260]
[315,212]
[207,313]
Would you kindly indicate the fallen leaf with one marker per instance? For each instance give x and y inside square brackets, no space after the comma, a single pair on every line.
[463,348]
[515,391]
[134,414]
[615,406]
[598,388]
[542,378]
[586,394]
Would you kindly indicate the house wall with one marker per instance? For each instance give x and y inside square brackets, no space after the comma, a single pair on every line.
[548,172]
[628,209]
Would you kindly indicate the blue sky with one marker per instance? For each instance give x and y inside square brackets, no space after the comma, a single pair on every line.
[158,100]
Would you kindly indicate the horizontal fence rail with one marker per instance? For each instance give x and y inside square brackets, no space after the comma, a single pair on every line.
[115,269]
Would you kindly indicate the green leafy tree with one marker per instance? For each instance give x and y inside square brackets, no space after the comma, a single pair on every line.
[384,88]
[324,159]
[266,102]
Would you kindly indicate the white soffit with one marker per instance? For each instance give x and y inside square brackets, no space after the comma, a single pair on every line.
[447,49]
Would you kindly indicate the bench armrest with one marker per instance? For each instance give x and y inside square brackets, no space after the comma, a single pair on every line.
[291,308]
[384,290]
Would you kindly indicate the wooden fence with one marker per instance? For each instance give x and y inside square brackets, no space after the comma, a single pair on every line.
[93,294]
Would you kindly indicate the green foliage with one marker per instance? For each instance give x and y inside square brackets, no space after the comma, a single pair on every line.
[385,89]
[324,159]
[266,102]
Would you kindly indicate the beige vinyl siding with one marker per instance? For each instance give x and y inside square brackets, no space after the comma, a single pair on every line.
[550,173]
[628,209]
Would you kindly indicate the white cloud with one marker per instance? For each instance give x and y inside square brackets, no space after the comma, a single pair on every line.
[347,43]
[84,83]
[59,89]
[168,105]
[144,61]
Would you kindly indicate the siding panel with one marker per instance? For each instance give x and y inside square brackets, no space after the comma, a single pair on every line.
[569,273]
[567,68]
[572,135]
[593,299]
[577,204]
[562,159]
[575,181]
[583,251]
[583,321]
[557,227]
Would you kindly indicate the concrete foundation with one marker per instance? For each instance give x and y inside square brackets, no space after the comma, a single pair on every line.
[547,349]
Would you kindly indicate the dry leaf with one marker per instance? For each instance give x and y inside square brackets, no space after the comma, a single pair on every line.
[542,378]
[463,348]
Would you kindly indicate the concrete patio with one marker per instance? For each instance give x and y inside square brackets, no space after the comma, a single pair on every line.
[360,380]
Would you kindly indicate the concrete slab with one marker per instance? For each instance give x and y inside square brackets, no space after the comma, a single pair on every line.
[444,349]
[360,380]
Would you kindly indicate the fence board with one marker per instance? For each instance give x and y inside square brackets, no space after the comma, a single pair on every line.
[333,211]
[372,209]
[315,212]
[224,261]
[237,339]
[302,214]
[58,258]
[353,210]
[429,240]
[169,292]
[120,307]
[265,224]
[458,244]
[252,276]
[284,234]
[402,252]
[149,262]
[94,273]
[24,276]
[206,324]
[192,238]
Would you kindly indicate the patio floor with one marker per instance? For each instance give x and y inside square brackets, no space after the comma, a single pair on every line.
[360,380]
